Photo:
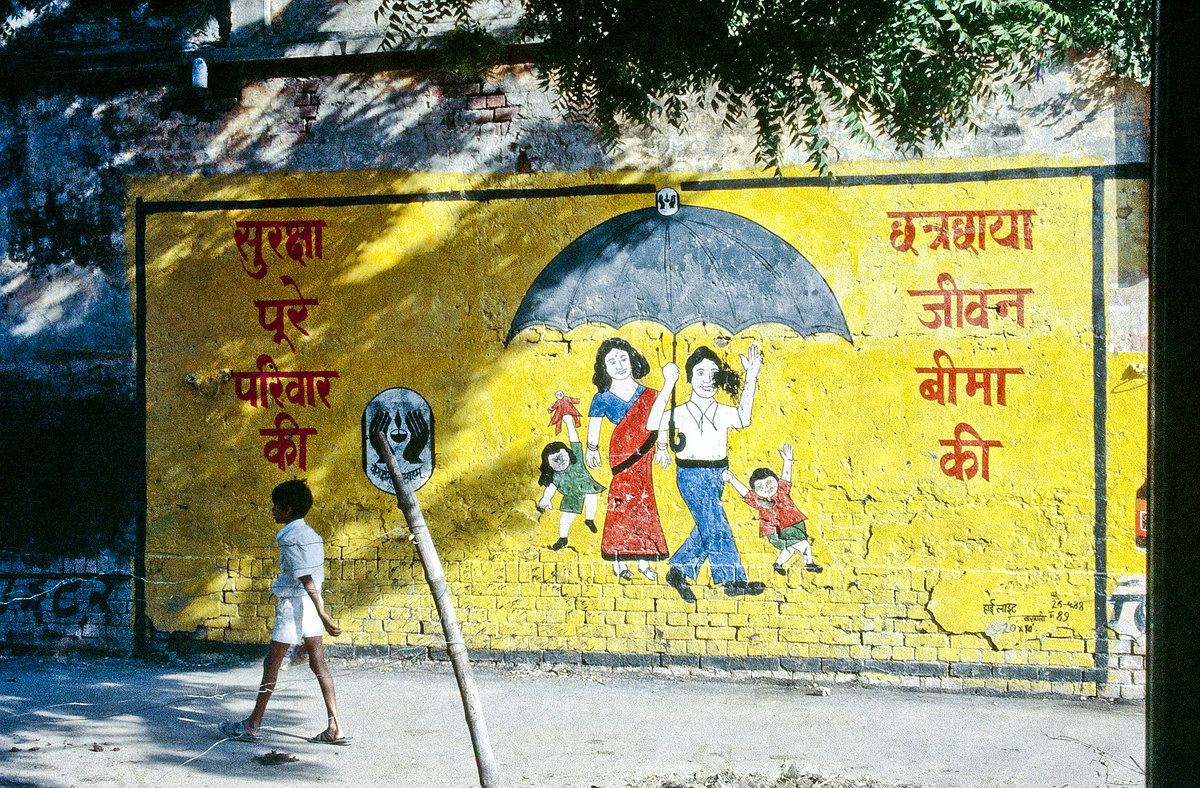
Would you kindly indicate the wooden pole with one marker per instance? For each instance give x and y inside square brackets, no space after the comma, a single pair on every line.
[489,775]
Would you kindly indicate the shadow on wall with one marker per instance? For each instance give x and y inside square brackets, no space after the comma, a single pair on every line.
[67,489]
[65,201]
[467,509]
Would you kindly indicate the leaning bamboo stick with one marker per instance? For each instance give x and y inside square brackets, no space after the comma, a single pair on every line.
[489,775]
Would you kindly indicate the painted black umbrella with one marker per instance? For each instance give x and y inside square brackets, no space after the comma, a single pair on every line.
[676,265]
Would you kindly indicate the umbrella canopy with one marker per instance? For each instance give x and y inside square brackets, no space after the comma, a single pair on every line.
[677,267]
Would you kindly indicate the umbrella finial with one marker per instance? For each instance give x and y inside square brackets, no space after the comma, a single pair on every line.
[667,201]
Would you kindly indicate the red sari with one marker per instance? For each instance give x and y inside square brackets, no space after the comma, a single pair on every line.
[632,529]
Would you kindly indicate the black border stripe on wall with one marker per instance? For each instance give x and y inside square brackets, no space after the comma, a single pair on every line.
[1100,421]
[140,620]
[348,201]
[1135,170]
[1098,173]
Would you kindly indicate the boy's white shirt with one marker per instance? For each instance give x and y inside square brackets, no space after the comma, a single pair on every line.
[301,552]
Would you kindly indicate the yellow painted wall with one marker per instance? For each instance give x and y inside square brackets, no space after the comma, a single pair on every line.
[919,566]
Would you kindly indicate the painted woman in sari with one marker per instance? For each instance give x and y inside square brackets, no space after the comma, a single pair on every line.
[632,529]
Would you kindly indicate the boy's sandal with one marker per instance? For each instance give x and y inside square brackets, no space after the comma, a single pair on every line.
[237,731]
[325,737]
[625,574]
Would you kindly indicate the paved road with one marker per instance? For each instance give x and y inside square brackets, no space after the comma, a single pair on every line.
[156,725]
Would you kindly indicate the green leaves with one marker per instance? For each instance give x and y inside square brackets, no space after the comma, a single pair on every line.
[908,71]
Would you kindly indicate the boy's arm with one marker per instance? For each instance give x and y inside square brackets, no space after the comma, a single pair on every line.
[786,453]
[742,489]
[309,586]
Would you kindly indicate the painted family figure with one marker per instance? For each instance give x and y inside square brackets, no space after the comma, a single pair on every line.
[701,458]
[632,528]
[780,522]
[562,471]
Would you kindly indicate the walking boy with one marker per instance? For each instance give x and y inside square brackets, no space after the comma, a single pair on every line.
[299,612]
[779,520]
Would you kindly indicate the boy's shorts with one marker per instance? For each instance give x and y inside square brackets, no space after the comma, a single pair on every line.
[295,619]
[792,535]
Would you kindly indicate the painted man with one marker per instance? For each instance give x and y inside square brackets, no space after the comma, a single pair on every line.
[701,457]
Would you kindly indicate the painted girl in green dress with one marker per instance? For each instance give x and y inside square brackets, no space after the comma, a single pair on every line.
[563,472]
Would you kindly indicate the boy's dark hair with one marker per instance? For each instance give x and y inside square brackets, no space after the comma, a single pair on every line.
[760,474]
[546,474]
[295,495]
[639,367]
[726,378]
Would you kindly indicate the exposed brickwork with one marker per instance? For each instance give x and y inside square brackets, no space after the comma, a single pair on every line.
[475,103]
[571,613]
[70,604]
[308,103]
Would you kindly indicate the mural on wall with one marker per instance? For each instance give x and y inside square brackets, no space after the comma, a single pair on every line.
[1129,506]
[675,265]
[661,430]
[562,471]
[780,522]
[701,457]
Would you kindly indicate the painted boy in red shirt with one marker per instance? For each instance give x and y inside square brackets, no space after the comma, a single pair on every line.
[779,519]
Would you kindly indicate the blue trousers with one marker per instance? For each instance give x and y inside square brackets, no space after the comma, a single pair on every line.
[712,538]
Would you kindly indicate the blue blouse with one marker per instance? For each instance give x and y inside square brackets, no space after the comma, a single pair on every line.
[612,407]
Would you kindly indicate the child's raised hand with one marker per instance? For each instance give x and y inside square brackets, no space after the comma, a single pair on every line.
[727,476]
[670,373]
[785,451]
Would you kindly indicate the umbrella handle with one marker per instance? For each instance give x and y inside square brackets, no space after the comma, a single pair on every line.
[676,440]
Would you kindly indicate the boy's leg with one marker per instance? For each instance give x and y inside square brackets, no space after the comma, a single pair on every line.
[806,551]
[316,661]
[270,675]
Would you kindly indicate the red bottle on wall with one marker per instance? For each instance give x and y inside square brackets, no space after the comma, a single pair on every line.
[1141,532]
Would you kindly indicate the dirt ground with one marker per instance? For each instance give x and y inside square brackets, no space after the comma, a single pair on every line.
[727,779]
[94,723]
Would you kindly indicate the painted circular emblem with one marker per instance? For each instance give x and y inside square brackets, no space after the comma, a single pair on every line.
[667,201]
[406,419]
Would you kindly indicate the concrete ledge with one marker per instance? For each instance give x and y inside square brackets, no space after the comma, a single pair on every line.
[524,657]
[800,664]
[996,676]
[832,665]
[971,670]
[621,660]
[390,652]
[907,668]
[740,663]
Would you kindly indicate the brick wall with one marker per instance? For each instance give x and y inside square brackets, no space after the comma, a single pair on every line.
[547,607]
